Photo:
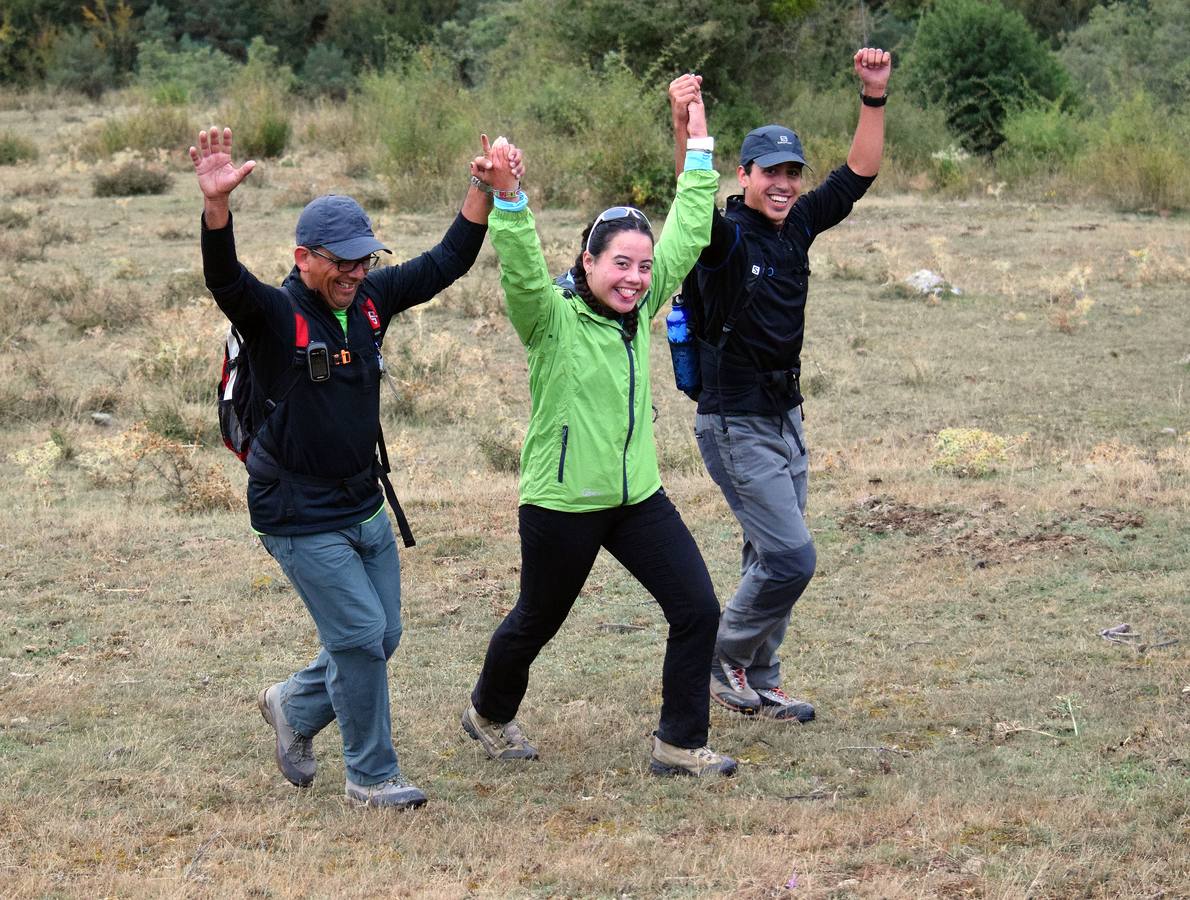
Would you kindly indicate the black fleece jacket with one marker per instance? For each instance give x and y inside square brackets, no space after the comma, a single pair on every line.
[768,335]
[311,465]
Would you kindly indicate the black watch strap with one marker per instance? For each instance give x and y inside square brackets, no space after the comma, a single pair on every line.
[872,101]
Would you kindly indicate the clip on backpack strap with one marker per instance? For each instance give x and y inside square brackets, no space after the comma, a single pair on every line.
[402,522]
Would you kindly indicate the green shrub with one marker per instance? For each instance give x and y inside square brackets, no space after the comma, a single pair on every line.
[327,72]
[1136,158]
[971,452]
[425,124]
[76,62]
[130,180]
[176,76]
[953,169]
[1039,139]
[978,60]
[153,127]
[621,149]
[261,104]
[1128,47]
[15,149]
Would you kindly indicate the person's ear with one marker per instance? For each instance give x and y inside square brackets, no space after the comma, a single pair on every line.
[301,259]
[588,261]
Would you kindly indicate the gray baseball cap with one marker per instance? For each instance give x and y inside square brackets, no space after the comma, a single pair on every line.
[770,145]
[339,224]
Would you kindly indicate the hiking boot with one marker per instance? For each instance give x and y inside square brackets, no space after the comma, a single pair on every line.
[396,793]
[729,687]
[499,741]
[295,752]
[776,704]
[670,760]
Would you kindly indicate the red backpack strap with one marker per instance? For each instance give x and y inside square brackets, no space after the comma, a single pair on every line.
[301,331]
[369,309]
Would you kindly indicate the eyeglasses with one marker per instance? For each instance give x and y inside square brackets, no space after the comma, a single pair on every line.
[616,212]
[369,262]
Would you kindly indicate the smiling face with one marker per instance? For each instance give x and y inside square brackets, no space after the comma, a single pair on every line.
[771,190]
[324,278]
[622,272]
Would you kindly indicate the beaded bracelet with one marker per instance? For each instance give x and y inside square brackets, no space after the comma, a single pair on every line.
[509,196]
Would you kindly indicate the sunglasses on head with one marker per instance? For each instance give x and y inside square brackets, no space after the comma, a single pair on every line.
[614,213]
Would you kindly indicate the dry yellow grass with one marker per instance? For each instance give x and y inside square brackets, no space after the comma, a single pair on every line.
[976,734]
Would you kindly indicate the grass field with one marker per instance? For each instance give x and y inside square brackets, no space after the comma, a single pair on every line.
[976,735]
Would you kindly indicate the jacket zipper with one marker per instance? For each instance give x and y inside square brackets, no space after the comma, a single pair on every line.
[631,411]
[562,458]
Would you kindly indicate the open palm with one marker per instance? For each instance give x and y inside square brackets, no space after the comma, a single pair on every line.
[217,175]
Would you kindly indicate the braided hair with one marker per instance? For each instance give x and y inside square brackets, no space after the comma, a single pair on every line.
[604,232]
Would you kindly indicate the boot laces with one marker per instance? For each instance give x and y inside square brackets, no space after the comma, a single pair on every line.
[302,748]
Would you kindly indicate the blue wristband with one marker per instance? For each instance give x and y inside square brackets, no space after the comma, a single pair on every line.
[512,205]
[697,159]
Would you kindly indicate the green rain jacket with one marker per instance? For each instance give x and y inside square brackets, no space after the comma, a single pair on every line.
[590,439]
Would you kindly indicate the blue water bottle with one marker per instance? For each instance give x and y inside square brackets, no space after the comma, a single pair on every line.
[683,349]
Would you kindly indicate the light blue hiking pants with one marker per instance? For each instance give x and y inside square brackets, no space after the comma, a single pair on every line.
[350,581]
[760,464]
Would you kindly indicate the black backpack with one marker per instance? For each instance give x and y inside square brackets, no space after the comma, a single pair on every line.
[692,299]
[237,420]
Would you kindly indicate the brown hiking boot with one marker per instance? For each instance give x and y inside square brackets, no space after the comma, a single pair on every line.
[670,760]
[499,740]
[730,688]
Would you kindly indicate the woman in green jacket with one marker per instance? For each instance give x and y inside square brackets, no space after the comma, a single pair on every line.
[589,475]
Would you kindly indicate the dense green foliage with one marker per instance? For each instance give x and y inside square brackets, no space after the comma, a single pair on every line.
[979,60]
[403,86]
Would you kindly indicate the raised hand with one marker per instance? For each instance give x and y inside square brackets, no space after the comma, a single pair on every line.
[873,66]
[481,166]
[696,117]
[683,90]
[217,175]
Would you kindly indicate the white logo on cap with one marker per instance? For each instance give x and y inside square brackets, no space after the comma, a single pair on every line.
[756,270]
[783,140]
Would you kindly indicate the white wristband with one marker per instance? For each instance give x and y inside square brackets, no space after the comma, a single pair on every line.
[700,143]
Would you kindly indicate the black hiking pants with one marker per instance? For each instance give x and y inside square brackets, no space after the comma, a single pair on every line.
[558,550]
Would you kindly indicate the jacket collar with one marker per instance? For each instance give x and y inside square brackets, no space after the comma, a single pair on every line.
[746,215]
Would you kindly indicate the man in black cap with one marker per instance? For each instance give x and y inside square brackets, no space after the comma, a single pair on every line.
[313,347]
[747,297]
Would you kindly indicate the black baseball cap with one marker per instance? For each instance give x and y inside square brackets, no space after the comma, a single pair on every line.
[770,145]
[339,224]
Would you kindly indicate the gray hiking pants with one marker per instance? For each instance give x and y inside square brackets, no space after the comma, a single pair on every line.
[760,463]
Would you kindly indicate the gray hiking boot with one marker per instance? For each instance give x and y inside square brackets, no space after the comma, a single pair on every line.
[499,741]
[396,793]
[670,760]
[776,704]
[295,752]
[729,687]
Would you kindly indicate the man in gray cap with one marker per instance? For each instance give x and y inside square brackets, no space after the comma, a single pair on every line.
[746,298]
[314,497]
